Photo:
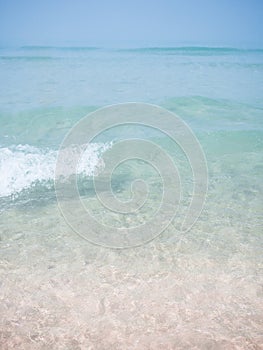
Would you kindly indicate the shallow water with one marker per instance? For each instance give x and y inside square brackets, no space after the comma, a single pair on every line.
[199,289]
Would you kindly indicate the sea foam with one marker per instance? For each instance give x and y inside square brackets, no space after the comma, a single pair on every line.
[22,166]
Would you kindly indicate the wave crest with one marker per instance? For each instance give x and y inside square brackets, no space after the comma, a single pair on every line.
[23,166]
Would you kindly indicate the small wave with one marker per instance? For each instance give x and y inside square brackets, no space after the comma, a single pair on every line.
[28,58]
[192,50]
[61,48]
[24,166]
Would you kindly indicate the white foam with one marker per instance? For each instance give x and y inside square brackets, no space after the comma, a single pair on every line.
[23,166]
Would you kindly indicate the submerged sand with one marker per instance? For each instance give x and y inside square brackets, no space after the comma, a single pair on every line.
[199,290]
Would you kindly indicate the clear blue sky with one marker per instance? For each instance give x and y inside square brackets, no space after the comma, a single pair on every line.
[150,22]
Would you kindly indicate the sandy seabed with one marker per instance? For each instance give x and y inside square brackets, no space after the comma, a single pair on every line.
[60,292]
[200,290]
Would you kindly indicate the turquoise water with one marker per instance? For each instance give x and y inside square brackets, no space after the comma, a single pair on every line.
[200,288]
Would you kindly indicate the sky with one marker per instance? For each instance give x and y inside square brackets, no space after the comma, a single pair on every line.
[124,22]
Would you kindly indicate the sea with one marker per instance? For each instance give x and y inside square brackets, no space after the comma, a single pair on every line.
[165,288]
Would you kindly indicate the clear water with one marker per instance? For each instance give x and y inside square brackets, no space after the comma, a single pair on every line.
[202,288]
